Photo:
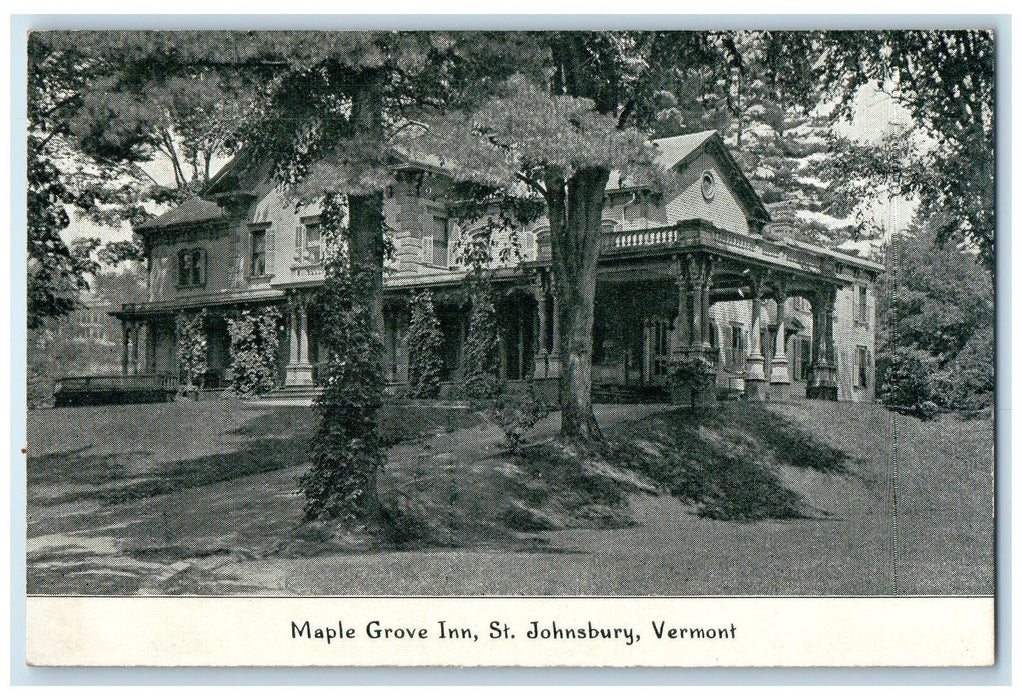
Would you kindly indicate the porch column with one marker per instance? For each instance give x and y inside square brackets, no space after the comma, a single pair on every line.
[150,348]
[125,341]
[683,322]
[539,291]
[293,329]
[780,379]
[704,310]
[299,371]
[824,380]
[136,338]
[554,360]
[696,338]
[757,386]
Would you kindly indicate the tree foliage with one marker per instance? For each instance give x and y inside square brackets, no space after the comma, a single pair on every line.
[946,81]
[943,350]
[425,363]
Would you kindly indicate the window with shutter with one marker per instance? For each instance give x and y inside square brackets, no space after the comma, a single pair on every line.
[191,267]
[257,253]
[441,230]
[271,253]
[313,251]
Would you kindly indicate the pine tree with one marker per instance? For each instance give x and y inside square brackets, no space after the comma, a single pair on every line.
[425,363]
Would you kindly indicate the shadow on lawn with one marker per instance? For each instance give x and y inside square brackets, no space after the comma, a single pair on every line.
[727,461]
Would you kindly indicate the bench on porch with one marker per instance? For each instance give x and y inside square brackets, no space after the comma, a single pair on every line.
[114,389]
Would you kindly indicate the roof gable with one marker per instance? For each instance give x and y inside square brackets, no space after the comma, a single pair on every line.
[676,152]
[193,210]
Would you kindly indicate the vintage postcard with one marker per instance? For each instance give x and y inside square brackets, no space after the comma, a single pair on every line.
[542,348]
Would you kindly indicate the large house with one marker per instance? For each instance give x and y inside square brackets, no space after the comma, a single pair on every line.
[703,269]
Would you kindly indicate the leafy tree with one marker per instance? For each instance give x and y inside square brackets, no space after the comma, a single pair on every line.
[424,343]
[561,136]
[942,352]
[946,81]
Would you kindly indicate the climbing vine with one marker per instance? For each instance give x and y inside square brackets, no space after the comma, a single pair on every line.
[192,347]
[425,363]
[255,341]
[347,452]
[482,350]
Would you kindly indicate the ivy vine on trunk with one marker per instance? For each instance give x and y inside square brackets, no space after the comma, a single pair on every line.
[255,341]
[425,363]
[347,451]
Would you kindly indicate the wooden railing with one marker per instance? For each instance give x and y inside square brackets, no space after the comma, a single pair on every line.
[307,271]
[691,233]
[118,382]
[648,238]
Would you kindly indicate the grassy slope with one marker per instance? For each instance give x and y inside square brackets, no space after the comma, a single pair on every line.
[786,499]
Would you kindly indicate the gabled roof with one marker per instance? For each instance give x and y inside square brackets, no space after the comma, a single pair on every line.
[672,153]
[676,152]
[193,210]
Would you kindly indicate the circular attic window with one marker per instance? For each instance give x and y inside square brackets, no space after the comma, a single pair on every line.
[708,185]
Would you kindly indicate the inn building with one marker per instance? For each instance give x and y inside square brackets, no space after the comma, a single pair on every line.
[706,268]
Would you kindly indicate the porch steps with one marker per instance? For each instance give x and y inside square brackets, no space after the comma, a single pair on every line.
[617,393]
[291,394]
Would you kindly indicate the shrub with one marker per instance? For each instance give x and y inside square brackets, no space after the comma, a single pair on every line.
[516,410]
[424,342]
[255,340]
[690,373]
[907,379]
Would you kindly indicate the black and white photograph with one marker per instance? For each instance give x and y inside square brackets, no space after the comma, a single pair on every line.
[505,314]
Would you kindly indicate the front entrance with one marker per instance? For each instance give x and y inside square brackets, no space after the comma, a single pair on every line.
[656,351]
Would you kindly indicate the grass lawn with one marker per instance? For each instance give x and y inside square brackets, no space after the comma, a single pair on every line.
[786,499]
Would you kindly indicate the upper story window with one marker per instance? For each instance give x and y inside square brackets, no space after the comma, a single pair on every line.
[258,267]
[308,242]
[313,243]
[434,240]
[191,267]
[861,305]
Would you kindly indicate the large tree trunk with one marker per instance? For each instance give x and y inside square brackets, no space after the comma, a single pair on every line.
[576,214]
[365,211]
[366,228]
